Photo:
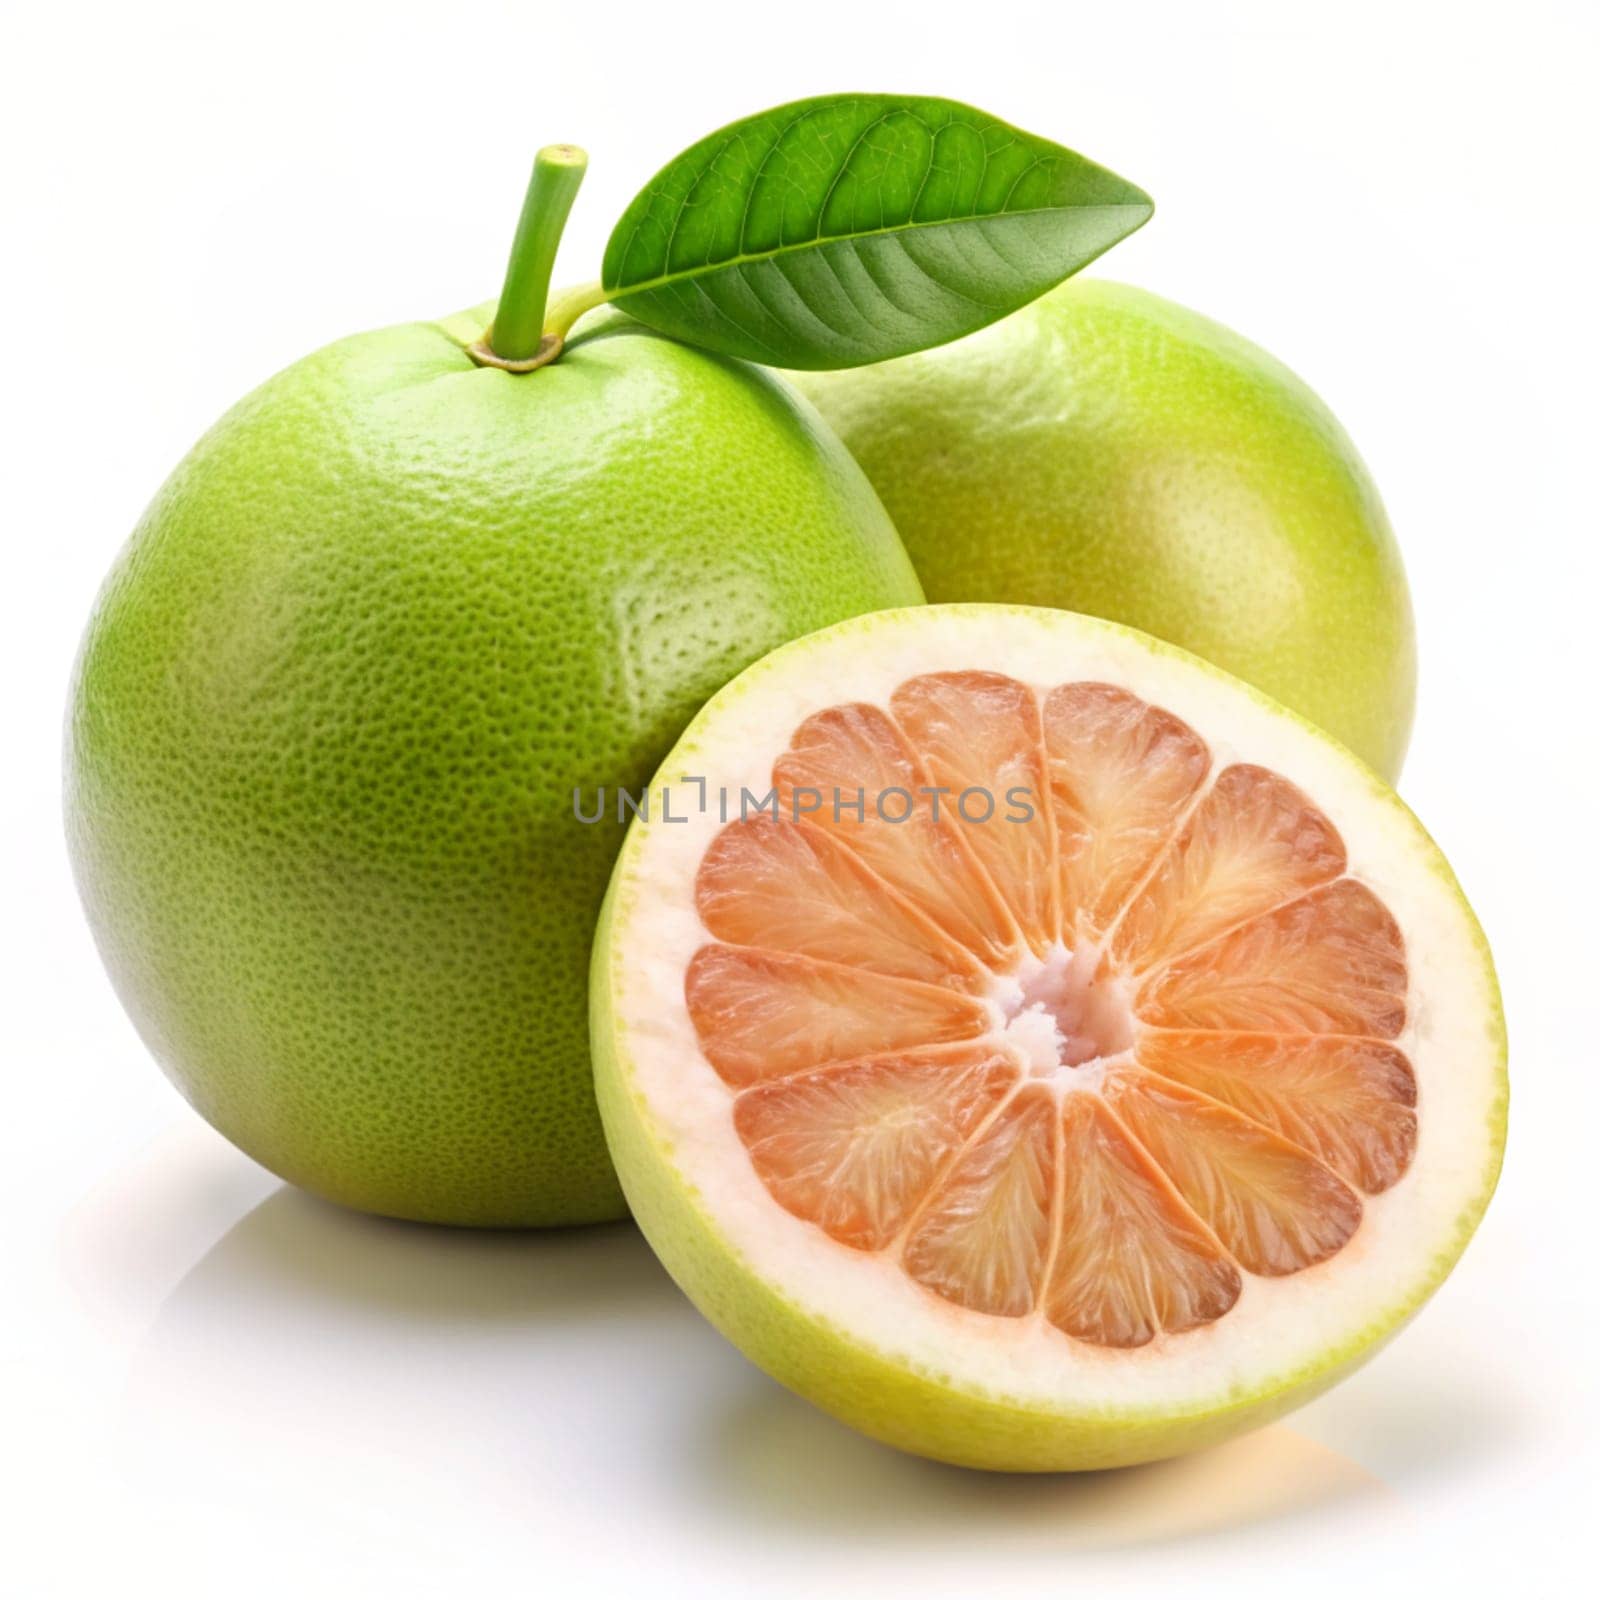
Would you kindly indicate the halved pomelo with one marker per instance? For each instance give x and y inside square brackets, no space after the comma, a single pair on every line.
[1036,1047]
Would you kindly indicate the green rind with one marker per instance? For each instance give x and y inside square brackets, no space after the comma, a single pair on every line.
[924,1412]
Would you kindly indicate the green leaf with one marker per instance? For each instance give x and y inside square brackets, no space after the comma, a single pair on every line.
[843,230]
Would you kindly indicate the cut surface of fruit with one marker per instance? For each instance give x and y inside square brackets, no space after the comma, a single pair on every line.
[1135,888]
[1072,1029]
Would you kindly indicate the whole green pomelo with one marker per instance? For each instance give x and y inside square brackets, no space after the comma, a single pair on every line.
[337,694]
[1107,451]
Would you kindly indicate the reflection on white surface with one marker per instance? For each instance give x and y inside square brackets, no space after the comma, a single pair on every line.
[309,1349]
[787,1463]
[427,1408]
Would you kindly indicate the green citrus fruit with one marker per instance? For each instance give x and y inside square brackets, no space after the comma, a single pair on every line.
[1107,451]
[1081,1059]
[334,702]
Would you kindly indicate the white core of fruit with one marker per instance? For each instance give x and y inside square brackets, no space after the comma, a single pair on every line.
[1064,1017]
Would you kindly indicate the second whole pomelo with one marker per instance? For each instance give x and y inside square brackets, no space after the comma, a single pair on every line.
[337,694]
[1105,450]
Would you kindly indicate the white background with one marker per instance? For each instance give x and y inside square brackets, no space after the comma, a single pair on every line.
[216,1386]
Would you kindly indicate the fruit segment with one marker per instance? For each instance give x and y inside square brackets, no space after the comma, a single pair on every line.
[762,1015]
[1330,962]
[1092,1064]
[854,1149]
[851,770]
[1133,1260]
[982,1241]
[1254,842]
[980,736]
[1349,1101]
[1121,775]
[790,886]
[1275,1208]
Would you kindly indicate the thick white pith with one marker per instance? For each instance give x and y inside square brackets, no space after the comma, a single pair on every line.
[1280,1325]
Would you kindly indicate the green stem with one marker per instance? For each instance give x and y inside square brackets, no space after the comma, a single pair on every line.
[519,318]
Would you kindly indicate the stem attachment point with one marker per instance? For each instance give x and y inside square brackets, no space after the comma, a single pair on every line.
[550,346]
